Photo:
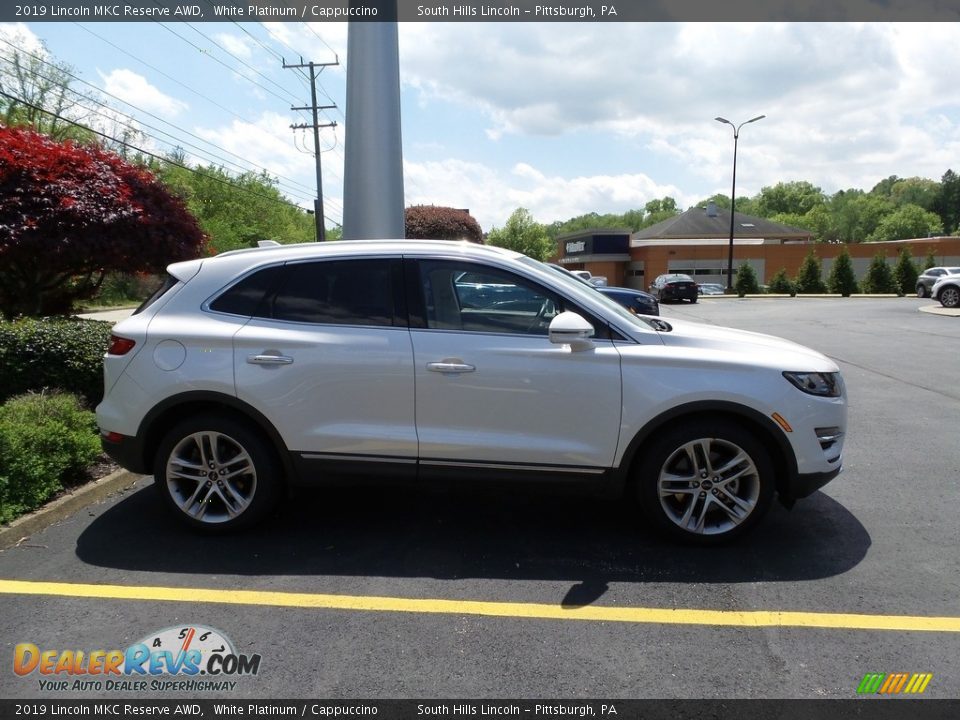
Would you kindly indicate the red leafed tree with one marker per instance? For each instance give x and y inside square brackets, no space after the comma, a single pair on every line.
[441,223]
[71,213]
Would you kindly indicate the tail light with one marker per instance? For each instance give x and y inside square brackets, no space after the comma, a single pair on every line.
[120,345]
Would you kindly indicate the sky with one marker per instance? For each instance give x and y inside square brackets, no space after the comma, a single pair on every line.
[559,118]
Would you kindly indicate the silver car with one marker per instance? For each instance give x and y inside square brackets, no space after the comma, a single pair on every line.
[930,276]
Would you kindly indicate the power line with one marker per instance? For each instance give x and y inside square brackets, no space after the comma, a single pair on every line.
[147,153]
[292,184]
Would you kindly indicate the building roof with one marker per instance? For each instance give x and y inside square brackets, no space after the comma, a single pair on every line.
[712,222]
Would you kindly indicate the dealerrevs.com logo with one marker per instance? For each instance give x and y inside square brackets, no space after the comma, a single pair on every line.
[182,659]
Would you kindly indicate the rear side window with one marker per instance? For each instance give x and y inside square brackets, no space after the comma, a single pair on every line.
[245,297]
[168,283]
[336,292]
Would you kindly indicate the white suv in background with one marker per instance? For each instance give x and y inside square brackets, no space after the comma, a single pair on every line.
[433,360]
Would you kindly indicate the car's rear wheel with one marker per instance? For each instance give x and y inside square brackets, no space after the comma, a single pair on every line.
[705,482]
[950,297]
[216,473]
[922,291]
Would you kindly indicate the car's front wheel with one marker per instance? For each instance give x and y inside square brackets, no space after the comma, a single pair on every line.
[216,473]
[950,297]
[705,481]
[922,291]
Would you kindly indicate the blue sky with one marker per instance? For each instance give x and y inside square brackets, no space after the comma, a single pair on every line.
[560,118]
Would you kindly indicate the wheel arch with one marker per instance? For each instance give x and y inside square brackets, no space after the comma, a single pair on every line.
[161,418]
[765,429]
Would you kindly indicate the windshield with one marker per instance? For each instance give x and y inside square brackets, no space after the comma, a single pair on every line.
[581,289]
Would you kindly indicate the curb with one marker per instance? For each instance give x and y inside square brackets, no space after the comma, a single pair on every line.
[61,508]
[940,310]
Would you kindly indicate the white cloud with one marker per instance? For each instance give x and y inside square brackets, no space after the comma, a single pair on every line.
[21,36]
[846,104]
[137,91]
[492,195]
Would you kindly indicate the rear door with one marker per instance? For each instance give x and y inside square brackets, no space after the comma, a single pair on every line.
[327,357]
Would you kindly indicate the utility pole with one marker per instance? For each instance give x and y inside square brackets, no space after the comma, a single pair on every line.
[318,203]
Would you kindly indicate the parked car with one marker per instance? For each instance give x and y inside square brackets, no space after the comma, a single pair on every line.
[930,276]
[675,286]
[258,370]
[636,301]
[947,290]
[711,289]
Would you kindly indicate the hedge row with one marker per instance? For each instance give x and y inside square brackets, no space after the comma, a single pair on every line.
[53,354]
[46,442]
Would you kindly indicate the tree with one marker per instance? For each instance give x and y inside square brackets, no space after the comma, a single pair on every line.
[792,197]
[523,234]
[947,202]
[441,223]
[905,272]
[930,261]
[746,280]
[856,215]
[660,210]
[236,212]
[879,277]
[918,191]
[909,221]
[842,278]
[781,284]
[71,214]
[808,277]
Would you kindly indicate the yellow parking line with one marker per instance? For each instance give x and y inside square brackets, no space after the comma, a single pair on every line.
[541,611]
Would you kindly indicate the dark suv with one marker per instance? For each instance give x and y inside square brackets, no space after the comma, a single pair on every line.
[675,287]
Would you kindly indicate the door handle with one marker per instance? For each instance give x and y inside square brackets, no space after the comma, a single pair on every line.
[450,367]
[270,360]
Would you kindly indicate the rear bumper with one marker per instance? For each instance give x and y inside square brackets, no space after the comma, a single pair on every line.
[127,452]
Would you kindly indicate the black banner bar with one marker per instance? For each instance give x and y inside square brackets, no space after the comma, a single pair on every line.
[491,11]
[872,708]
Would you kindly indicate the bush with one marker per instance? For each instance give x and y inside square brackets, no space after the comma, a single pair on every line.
[808,277]
[781,285]
[46,442]
[441,223]
[53,353]
[746,281]
[879,277]
[905,273]
[842,278]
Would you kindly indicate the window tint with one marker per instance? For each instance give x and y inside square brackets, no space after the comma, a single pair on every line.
[344,292]
[245,297]
[462,296]
[167,284]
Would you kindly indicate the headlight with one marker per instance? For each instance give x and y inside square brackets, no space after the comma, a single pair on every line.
[822,384]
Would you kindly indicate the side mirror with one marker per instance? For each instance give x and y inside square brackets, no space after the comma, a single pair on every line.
[568,328]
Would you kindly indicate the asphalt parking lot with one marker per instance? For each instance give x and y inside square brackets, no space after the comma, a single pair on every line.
[400,593]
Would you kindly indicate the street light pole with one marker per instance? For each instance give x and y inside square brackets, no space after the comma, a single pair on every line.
[733,191]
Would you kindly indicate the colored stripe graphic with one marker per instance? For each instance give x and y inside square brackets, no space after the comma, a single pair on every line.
[894,683]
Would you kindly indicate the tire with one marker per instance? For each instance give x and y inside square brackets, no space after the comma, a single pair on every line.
[922,291]
[693,300]
[217,473]
[720,475]
[950,296]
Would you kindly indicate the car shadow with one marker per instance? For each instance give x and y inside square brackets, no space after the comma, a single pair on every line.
[392,532]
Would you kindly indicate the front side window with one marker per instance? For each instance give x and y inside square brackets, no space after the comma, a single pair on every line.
[475,298]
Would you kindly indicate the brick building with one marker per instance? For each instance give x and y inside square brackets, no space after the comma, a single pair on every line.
[696,243]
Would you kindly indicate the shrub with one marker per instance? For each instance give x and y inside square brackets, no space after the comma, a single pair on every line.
[63,353]
[746,280]
[808,277]
[905,273]
[46,442]
[781,284]
[842,278]
[879,278]
[441,223]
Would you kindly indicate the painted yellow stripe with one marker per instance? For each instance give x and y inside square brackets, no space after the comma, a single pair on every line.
[727,618]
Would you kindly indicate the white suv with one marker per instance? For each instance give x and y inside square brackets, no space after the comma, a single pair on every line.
[297,364]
